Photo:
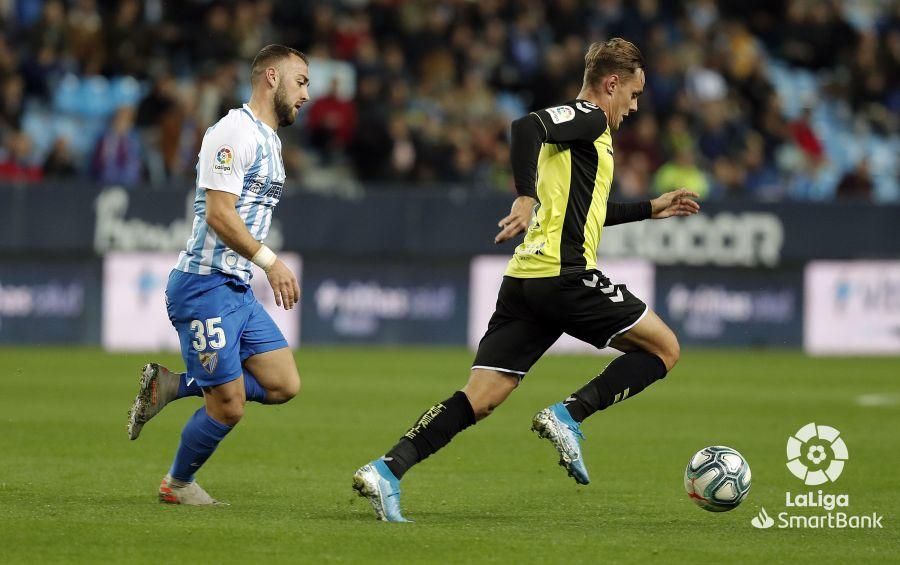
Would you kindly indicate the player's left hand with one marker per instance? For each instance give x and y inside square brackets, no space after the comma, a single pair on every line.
[675,203]
[284,285]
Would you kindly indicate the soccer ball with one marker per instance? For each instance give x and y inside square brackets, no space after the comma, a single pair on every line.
[717,478]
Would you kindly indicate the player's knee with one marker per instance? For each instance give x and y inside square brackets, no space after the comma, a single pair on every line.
[671,352]
[231,413]
[487,395]
[229,410]
[483,409]
[288,387]
[291,387]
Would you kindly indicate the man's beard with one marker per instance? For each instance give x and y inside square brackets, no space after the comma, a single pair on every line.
[284,110]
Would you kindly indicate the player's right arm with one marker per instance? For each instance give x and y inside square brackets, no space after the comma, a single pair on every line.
[225,155]
[576,121]
[222,217]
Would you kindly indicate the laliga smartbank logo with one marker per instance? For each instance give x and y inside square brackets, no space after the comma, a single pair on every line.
[816,455]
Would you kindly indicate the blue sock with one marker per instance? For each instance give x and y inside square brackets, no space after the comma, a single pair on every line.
[188,386]
[199,439]
[252,389]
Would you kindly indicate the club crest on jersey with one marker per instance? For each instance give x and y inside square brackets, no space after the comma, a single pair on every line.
[224,158]
[209,360]
[561,114]
[258,184]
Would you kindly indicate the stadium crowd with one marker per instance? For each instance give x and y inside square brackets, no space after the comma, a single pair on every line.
[771,100]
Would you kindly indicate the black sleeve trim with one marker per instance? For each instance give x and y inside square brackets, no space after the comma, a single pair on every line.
[527,135]
[625,212]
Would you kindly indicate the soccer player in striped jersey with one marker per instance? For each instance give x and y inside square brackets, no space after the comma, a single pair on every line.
[232,349]
[562,160]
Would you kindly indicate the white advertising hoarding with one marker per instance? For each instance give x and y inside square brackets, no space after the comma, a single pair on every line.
[852,307]
[134,307]
[486,274]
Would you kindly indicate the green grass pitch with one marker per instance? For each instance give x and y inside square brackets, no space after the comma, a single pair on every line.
[74,489]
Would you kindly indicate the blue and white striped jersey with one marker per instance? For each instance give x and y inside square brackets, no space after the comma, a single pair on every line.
[241,155]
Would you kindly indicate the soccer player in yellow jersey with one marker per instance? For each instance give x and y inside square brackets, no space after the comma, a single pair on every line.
[562,160]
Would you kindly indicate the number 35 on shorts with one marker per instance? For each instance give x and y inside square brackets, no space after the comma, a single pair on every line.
[208,334]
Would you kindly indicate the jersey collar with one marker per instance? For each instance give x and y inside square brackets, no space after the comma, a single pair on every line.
[246,108]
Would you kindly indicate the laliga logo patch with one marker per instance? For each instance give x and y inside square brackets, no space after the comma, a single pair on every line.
[224,158]
[209,360]
[816,454]
[561,114]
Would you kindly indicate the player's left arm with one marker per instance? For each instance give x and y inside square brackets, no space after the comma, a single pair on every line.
[222,217]
[675,203]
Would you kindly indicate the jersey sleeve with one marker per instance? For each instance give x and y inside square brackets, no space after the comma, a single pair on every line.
[526,137]
[225,155]
[574,121]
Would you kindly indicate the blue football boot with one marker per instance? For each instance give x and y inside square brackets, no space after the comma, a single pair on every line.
[556,424]
[376,482]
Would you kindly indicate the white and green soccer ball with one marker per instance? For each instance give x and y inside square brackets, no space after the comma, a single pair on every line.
[717,478]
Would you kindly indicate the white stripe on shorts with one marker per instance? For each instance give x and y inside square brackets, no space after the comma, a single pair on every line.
[628,327]
[520,373]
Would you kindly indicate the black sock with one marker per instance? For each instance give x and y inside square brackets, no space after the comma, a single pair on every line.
[623,378]
[433,430]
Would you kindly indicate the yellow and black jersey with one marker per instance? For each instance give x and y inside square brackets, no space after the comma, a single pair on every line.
[574,174]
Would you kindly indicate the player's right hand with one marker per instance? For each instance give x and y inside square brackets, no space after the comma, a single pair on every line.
[284,285]
[518,219]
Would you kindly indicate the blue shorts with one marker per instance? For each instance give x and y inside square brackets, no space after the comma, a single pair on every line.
[220,324]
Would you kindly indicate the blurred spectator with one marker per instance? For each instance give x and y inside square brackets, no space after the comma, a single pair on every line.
[761,180]
[85,30]
[60,163]
[403,150]
[681,172]
[126,42]
[428,89]
[12,102]
[642,137]
[215,42]
[805,138]
[180,135]
[814,34]
[50,30]
[117,158]
[331,121]
[371,147]
[719,136]
[856,184]
[16,161]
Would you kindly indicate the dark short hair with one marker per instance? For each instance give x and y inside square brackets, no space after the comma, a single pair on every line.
[615,56]
[272,54]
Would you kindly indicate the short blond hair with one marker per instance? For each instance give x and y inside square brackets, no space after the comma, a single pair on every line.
[616,56]
[271,54]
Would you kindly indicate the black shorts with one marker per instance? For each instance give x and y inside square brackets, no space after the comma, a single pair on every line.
[532,314]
